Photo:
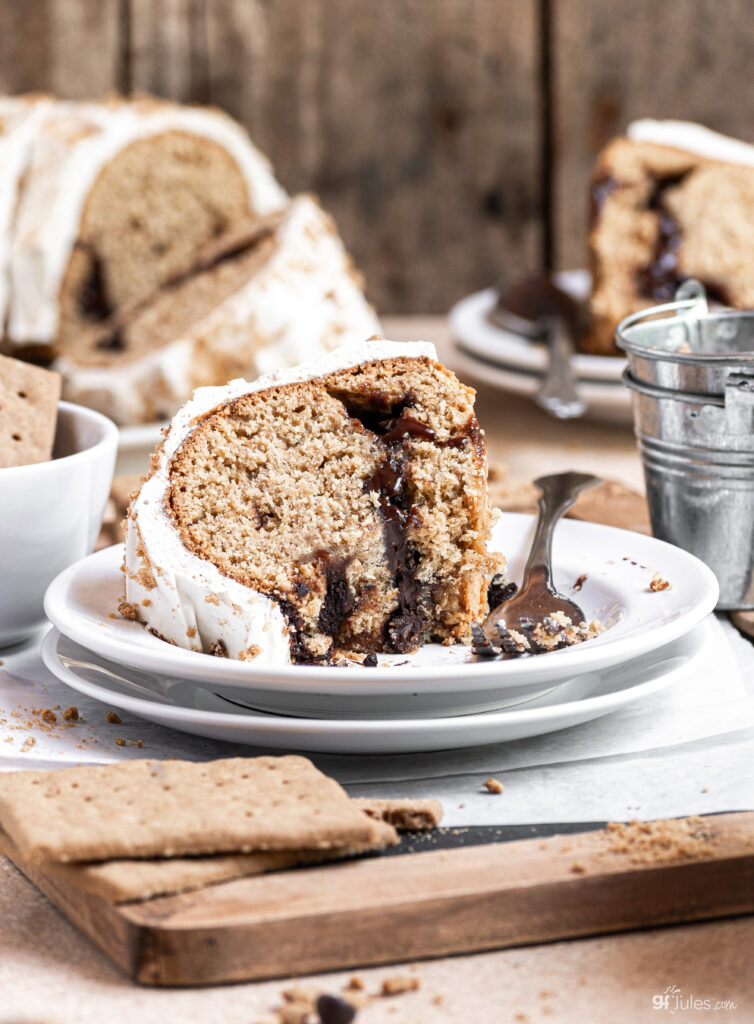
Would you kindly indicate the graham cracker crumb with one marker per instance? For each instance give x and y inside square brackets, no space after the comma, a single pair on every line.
[356,983]
[493,785]
[659,842]
[657,583]
[71,713]
[250,653]
[191,632]
[578,868]
[113,719]
[128,610]
[212,599]
[48,715]
[398,983]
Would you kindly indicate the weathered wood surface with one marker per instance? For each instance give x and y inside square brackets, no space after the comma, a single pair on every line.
[421,124]
[416,905]
[415,122]
[615,62]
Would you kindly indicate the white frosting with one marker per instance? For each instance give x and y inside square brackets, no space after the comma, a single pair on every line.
[192,604]
[20,117]
[694,138]
[69,152]
[304,301]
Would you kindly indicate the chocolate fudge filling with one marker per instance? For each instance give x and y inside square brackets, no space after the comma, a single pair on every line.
[662,276]
[392,422]
[93,301]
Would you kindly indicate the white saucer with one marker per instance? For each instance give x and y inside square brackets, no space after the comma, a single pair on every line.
[436,680]
[182,705]
[512,363]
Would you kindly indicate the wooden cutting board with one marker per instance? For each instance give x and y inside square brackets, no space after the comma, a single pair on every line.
[420,904]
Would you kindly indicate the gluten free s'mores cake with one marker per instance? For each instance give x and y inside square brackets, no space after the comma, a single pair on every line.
[337,507]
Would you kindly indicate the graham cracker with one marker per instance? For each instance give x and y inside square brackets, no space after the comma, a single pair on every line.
[405,815]
[142,809]
[28,412]
[125,881]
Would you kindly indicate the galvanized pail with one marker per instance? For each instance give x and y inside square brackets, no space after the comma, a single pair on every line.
[691,371]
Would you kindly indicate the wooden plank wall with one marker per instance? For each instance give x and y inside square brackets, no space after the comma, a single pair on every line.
[452,139]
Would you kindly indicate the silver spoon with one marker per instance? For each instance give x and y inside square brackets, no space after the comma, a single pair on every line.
[539,311]
[537,597]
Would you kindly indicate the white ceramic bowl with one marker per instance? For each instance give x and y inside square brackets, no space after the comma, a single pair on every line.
[50,514]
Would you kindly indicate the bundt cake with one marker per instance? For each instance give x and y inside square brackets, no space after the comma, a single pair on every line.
[265,296]
[117,198]
[670,201]
[335,509]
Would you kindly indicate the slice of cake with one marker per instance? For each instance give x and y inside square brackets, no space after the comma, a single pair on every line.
[265,296]
[670,201]
[339,506]
[117,198]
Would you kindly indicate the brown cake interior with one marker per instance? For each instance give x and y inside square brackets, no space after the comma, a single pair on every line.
[150,211]
[357,500]
[219,271]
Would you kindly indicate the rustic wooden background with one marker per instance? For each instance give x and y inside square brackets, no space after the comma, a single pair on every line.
[452,139]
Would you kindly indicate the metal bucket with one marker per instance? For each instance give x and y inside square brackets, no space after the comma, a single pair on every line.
[691,371]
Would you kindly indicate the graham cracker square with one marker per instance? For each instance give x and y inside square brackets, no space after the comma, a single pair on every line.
[28,412]
[142,809]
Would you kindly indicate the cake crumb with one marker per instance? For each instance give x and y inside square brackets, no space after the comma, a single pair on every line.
[577,868]
[438,1000]
[191,632]
[128,610]
[493,785]
[580,581]
[71,713]
[398,983]
[658,842]
[250,653]
[48,715]
[120,742]
[356,983]
[657,583]
[113,719]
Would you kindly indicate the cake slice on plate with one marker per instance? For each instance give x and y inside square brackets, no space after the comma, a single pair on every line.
[264,296]
[670,201]
[339,507]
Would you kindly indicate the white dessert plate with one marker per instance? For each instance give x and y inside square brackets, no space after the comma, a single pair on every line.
[508,361]
[181,704]
[617,565]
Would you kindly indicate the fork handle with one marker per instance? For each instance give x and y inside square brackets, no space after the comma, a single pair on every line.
[559,492]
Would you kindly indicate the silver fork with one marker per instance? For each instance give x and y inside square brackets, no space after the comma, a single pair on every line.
[537,597]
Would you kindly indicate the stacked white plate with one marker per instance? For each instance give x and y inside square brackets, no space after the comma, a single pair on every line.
[506,360]
[438,698]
